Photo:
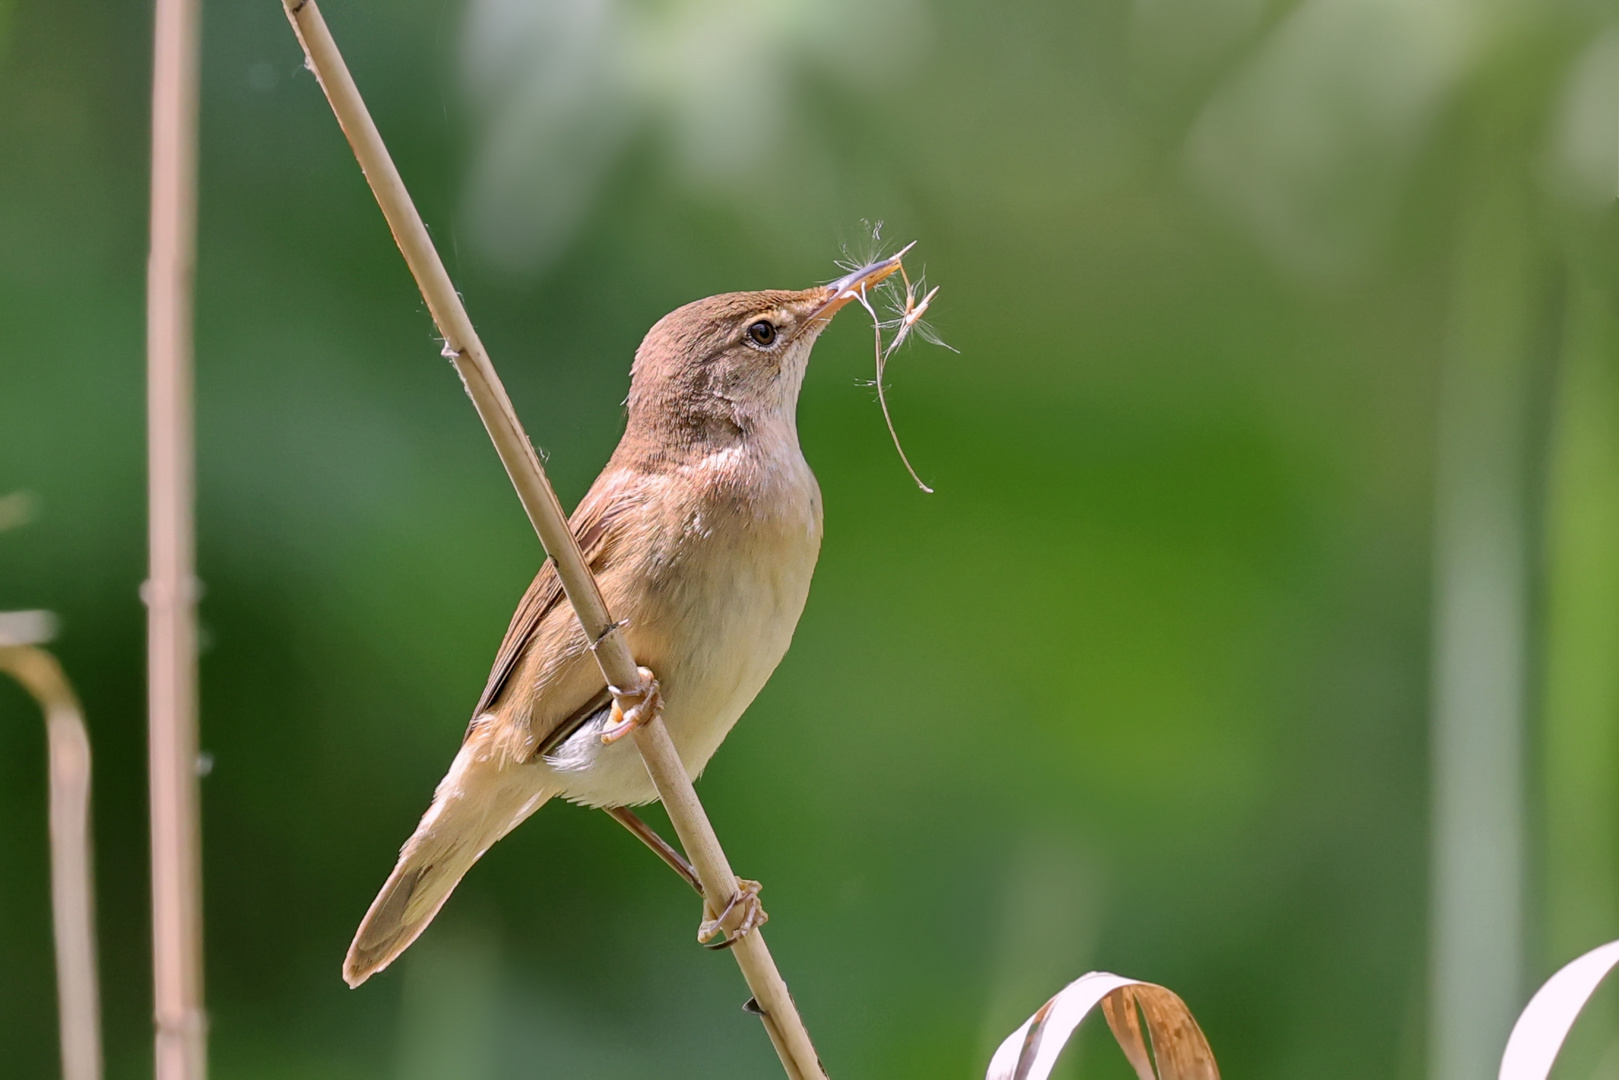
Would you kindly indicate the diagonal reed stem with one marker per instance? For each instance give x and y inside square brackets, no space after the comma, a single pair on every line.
[466,352]
[171,591]
[72,881]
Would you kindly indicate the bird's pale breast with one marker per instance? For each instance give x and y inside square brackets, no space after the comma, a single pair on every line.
[711,606]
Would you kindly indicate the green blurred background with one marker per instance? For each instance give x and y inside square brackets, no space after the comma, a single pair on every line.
[1272,315]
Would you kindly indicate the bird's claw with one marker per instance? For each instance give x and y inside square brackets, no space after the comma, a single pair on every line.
[648,705]
[742,915]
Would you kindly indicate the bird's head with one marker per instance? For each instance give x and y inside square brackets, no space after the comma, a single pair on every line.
[718,368]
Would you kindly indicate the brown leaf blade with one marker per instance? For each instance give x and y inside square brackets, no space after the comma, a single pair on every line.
[1124,1019]
[1178,1045]
[1172,1039]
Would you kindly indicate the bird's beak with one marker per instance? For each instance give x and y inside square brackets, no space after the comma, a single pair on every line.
[854,285]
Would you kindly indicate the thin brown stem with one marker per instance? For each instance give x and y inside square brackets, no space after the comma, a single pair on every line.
[170,592]
[462,347]
[72,882]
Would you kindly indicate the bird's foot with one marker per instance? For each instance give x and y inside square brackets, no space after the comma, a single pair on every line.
[648,705]
[741,915]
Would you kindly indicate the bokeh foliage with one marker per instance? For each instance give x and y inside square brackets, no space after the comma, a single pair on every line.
[1143,687]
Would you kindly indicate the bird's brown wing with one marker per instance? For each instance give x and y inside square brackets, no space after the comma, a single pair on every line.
[597,524]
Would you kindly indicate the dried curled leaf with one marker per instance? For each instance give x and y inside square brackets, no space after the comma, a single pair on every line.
[1545,1021]
[26,627]
[1171,1041]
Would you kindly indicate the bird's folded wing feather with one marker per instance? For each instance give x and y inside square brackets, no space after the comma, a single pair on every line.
[597,524]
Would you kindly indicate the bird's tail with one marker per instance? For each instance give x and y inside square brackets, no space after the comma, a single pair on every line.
[482,798]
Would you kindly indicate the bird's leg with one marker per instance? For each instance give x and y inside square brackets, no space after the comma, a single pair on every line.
[740,916]
[648,704]
[743,912]
[660,847]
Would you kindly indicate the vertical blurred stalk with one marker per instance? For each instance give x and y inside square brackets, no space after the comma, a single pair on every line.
[72,895]
[1580,721]
[171,588]
[1480,582]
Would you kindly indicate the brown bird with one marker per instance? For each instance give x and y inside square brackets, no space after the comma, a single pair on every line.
[703,531]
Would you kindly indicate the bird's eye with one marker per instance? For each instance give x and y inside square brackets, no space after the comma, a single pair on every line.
[762,332]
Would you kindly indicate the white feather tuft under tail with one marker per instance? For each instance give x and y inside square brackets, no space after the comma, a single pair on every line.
[482,798]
